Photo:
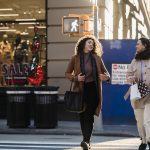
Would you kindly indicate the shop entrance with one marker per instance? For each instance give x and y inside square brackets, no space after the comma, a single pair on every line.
[22,45]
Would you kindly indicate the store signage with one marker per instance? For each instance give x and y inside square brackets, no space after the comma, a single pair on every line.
[15,74]
[119,72]
[15,70]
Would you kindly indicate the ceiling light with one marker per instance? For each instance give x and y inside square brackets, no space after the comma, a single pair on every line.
[10,30]
[5,9]
[24,33]
[40,27]
[1,28]
[27,23]
[8,15]
[25,19]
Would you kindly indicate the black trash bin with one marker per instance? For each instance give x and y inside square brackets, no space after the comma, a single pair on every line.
[18,108]
[46,107]
[3,103]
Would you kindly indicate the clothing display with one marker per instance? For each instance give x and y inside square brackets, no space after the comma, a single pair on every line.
[19,59]
[6,51]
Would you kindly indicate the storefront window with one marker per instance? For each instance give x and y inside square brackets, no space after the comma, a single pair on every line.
[22,43]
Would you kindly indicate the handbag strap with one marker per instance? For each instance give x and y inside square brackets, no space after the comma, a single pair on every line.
[142,70]
[81,67]
[71,86]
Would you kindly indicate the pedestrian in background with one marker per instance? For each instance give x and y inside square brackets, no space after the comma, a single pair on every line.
[88,51]
[139,69]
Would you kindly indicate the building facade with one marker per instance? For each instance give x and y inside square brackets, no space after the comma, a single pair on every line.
[120,19]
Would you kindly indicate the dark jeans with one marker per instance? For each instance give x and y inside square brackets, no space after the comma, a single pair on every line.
[87,117]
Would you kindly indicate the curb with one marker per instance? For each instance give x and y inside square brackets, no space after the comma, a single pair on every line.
[71,128]
[63,132]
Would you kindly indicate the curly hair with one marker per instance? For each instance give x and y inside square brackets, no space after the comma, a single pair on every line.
[97,47]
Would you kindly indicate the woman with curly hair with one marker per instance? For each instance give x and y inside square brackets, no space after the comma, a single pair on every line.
[86,69]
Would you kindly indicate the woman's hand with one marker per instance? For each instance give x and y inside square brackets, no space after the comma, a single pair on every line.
[132,79]
[103,77]
[81,77]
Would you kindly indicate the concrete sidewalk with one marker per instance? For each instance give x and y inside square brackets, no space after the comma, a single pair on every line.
[71,128]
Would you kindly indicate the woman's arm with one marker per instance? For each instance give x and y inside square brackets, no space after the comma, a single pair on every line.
[131,78]
[104,75]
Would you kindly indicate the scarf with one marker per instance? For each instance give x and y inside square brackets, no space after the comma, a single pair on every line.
[143,55]
[94,70]
[94,67]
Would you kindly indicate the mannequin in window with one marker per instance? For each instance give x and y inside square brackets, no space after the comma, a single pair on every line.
[5,57]
[6,50]
[20,49]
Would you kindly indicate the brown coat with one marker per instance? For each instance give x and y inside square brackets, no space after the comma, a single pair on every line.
[73,70]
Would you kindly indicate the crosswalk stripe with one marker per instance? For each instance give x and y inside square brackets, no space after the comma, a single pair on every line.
[63,146]
[35,146]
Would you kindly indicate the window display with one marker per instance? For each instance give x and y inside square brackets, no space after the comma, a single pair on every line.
[23,44]
[5,49]
[21,62]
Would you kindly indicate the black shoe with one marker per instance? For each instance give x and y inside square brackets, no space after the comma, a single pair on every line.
[85,145]
[148,145]
[142,146]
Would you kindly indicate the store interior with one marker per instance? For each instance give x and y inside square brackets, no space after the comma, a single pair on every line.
[22,41]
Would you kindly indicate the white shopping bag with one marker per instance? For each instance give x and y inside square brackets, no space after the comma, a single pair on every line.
[134,92]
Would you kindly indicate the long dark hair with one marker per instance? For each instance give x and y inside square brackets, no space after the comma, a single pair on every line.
[145,42]
[81,46]
[146,53]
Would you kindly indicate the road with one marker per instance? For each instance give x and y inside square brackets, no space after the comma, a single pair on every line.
[64,142]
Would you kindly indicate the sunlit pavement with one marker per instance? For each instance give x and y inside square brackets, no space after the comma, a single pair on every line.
[65,142]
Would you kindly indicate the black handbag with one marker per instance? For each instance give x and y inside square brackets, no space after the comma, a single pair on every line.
[143,89]
[74,101]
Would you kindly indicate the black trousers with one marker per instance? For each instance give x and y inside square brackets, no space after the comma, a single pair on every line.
[87,117]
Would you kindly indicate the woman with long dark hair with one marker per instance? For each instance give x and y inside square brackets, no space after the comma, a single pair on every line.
[139,70]
[86,69]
